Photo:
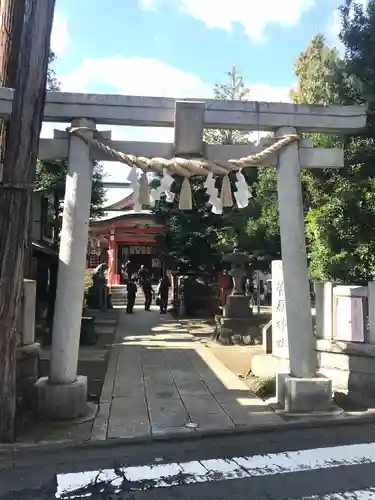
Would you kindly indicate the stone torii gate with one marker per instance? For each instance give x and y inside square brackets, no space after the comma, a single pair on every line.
[63,393]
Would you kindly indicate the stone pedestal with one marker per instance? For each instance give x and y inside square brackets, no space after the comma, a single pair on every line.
[62,401]
[303,395]
[27,374]
[238,325]
[237,306]
[246,331]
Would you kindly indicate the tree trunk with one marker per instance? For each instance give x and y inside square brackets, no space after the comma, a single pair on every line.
[16,191]
[12,14]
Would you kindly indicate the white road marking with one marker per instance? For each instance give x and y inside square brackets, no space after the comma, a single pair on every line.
[163,474]
[172,474]
[302,460]
[345,495]
[194,472]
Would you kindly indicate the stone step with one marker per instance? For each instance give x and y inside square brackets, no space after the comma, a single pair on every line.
[340,378]
[360,362]
[358,386]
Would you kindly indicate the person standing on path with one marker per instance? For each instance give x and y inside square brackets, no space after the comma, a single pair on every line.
[163,293]
[131,294]
[128,268]
[225,285]
[148,293]
[249,290]
[143,275]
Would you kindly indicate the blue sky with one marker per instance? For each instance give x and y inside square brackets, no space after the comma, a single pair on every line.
[181,48]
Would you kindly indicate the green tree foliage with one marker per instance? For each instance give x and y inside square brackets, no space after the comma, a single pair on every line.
[318,68]
[340,220]
[340,204]
[317,72]
[263,229]
[50,181]
[190,239]
[52,81]
[51,176]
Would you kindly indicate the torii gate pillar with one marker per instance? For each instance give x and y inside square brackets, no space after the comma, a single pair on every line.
[301,390]
[63,395]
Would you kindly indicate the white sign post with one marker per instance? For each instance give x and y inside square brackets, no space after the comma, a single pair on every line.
[279,322]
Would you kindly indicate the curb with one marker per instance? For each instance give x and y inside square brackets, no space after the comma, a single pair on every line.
[70,444]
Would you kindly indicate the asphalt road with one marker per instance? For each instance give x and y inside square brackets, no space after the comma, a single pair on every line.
[333,463]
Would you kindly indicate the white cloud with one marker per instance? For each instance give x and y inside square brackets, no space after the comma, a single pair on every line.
[148,77]
[333,30]
[60,38]
[253,15]
[264,92]
[134,76]
[334,27]
[149,4]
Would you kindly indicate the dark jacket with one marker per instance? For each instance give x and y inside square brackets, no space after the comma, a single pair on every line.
[163,286]
[147,287]
[131,288]
[143,275]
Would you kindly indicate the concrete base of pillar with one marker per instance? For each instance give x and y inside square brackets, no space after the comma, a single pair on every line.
[61,401]
[27,374]
[302,395]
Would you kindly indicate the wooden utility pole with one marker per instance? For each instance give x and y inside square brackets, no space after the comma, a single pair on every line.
[16,191]
[11,24]
[12,14]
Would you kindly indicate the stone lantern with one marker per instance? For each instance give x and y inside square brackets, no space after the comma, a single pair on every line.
[237,305]
[238,325]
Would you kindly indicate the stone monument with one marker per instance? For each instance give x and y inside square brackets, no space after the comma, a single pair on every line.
[237,325]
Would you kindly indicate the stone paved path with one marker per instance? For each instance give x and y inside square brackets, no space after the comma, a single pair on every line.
[160,378]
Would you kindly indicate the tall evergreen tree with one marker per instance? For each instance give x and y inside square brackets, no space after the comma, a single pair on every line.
[196,239]
[340,217]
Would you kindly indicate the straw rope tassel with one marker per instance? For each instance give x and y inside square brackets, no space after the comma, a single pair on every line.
[186,202]
[144,193]
[226,192]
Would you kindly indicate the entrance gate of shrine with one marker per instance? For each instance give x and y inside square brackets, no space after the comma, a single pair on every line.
[63,393]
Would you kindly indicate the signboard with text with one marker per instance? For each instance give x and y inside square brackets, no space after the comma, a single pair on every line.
[279,321]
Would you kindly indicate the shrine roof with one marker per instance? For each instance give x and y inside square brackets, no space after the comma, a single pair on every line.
[124,203]
[124,215]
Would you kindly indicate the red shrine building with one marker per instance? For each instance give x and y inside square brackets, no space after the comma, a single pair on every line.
[130,236]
